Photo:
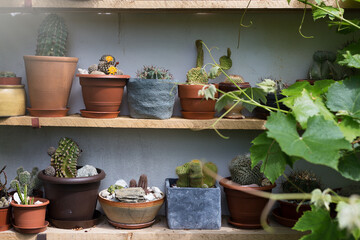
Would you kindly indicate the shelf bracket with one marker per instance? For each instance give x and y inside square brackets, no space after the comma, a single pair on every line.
[35,123]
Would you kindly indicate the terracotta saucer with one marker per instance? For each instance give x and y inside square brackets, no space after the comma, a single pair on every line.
[243,225]
[131,226]
[5,227]
[31,230]
[94,114]
[48,113]
[283,221]
[77,224]
[198,115]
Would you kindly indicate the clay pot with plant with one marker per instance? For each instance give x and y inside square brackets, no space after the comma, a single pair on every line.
[245,208]
[71,189]
[9,78]
[131,206]
[5,199]
[152,93]
[102,87]
[50,74]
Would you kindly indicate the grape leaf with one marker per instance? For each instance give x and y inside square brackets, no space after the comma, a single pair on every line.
[353,48]
[268,151]
[345,98]
[350,128]
[257,95]
[320,144]
[331,12]
[349,166]
[351,60]
[321,225]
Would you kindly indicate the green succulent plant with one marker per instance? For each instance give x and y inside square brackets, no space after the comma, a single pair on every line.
[153,72]
[7,74]
[242,172]
[26,179]
[301,181]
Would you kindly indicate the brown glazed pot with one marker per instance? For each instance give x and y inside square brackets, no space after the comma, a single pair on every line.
[29,216]
[245,209]
[288,210]
[102,93]
[5,214]
[192,103]
[71,198]
[49,81]
[10,80]
[228,87]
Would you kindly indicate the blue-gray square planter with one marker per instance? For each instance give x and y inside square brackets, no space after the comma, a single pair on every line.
[151,98]
[192,208]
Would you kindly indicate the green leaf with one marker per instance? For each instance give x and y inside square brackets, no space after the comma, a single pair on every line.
[345,98]
[352,48]
[214,72]
[321,225]
[320,144]
[268,151]
[257,95]
[349,166]
[331,12]
[223,101]
[350,128]
[344,27]
[351,60]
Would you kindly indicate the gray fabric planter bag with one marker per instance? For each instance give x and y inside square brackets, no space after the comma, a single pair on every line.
[151,98]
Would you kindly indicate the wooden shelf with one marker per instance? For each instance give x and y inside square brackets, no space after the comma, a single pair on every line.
[127,122]
[158,231]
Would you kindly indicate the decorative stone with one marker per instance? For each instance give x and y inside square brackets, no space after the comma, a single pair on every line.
[86,171]
[97,73]
[130,195]
[122,183]
[83,71]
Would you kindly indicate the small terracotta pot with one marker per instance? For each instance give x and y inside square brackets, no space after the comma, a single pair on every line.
[12,100]
[191,102]
[10,80]
[245,208]
[5,214]
[102,93]
[29,216]
[288,210]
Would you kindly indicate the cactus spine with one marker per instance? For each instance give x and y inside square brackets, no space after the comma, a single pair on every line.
[52,37]
[242,173]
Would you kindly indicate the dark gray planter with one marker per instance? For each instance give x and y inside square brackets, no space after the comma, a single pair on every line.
[192,208]
[151,98]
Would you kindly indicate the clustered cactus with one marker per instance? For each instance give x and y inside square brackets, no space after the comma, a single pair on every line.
[26,181]
[153,72]
[301,181]
[196,174]
[106,66]
[325,67]
[242,172]
[7,74]
[52,37]
[64,158]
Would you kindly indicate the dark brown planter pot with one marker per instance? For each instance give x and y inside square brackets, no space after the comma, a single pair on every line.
[72,199]
[288,210]
[29,216]
[10,80]
[195,106]
[229,87]
[5,214]
[245,209]
[102,93]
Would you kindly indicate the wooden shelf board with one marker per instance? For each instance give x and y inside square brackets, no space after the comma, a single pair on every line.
[127,122]
[158,231]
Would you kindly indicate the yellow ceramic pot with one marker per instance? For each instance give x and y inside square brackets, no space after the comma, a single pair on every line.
[12,100]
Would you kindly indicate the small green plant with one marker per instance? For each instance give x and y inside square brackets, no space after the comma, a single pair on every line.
[154,72]
[7,74]
[23,195]
[26,179]
[243,173]
[301,181]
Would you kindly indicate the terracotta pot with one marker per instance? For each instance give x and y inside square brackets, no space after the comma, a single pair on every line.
[29,216]
[288,210]
[245,208]
[5,214]
[235,113]
[130,213]
[12,100]
[192,103]
[71,198]
[102,93]
[49,81]
[10,80]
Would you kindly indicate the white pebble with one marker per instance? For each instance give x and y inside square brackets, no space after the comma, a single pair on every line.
[83,71]
[122,183]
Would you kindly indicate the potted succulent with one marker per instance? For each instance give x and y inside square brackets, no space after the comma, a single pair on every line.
[12,95]
[50,74]
[28,213]
[71,189]
[102,88]
[29,179]
[193,201]
[131,206]
[301,181]
[5,200]
[193,104]
[152,93]
[9,78]
[245,208]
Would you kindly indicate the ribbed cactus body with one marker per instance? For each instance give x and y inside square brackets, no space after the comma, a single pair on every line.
[200,54]
[64,160]
[196,174]
[242,173]
[183,174]
[25,178]
[193,174]
[197,76]
[52,37]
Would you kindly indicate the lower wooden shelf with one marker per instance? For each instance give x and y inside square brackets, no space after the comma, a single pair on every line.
[158,231]
[127,122]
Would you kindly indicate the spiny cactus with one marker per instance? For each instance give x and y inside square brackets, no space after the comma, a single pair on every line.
[194,174]
[64,160]
[197,76]
[153,72]
[109,59]
[92,68]
[301,181]
[325,67]
[235,78]
[24,178]
[225,61]
[242,173]
[7,74]
[52,37]
[200,54]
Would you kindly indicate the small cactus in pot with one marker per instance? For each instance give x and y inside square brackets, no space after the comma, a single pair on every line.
[153,72]
[242,173]
[28,180]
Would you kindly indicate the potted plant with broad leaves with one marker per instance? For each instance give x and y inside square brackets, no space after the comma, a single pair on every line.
[299,181]
[5,200]
[102,88]
[131,206]
[194,102]
[71,189]
[12,95]
[152,93]
[50,74]
[245,208]
[193,201]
